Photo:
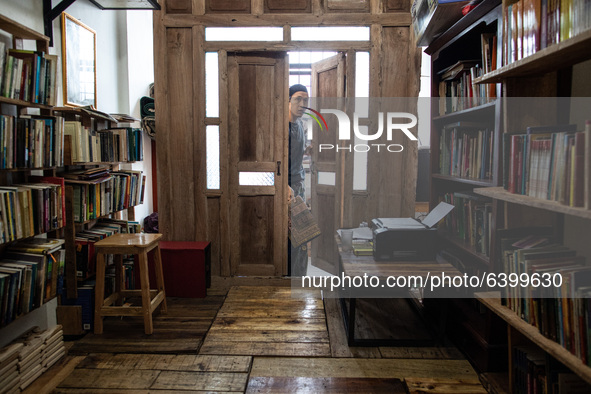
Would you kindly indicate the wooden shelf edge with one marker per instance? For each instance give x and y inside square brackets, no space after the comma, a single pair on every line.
[478,108]
[468,181]
[483,259]
[31,236]
[45,301]
[24,103]
[20,31]
[563,54]
[106,216]
[492,301]
[501,194]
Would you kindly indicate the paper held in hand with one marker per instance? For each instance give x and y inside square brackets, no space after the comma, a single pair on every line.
[304,226]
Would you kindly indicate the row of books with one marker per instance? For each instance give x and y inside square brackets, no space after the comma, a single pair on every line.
[535,372]
[549,163]
[32,208]
[113,192]
[28,75]
[457,91]
[113,145]
[532,25]
[466,150]
[471,220]
[29,356]
[29,275]
[85,240]
[559,305]
[31,141]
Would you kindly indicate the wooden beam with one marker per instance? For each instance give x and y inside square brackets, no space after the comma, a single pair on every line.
[237,20]
[245,46]
[224,154]
[199,143]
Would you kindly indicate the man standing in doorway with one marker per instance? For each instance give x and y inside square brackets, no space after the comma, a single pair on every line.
[298,100]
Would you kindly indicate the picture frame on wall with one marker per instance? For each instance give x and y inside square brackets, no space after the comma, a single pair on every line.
[78,62]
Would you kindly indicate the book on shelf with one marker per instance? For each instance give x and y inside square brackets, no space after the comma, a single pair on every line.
[29,273]
[31,141]
[29,76]
[470,221]
[109,145]
[466,150]
[547,163]
[105,192]
[457,90]
[532,25]
[559,311]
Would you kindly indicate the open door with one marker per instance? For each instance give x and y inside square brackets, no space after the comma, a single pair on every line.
[257,126]
[328,80]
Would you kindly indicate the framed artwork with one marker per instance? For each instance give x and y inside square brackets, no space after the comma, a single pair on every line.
[78,62]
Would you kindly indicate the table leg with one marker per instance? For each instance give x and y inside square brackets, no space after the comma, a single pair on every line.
[119,278]
[145,285]
[159,277]
[99,295]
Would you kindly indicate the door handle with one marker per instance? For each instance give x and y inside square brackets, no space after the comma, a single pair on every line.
[279,168]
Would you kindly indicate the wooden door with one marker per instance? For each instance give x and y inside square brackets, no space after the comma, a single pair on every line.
[257,129]
[328,80]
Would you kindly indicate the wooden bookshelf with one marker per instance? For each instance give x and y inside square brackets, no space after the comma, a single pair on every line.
[555,57]
[501,194]
[492,301]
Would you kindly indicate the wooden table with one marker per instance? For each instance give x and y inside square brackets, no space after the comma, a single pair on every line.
[352,265]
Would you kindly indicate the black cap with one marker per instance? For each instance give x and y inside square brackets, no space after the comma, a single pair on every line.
[297,88]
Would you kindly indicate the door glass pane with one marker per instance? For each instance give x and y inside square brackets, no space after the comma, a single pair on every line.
[212,156]
[326,178]
[212,99]
[361,108]
[256,178]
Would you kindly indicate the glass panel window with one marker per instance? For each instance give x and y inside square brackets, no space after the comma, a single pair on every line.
[256,178]
[327,178]
[243,34]
[212,156]
[325,33]
[212,96]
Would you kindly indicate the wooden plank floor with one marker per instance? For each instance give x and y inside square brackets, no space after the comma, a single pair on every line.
[181,330]
[269,321]
[263,339]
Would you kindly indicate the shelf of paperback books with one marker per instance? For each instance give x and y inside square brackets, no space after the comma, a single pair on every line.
[465,246]
[559,55]
[493,302]
[554,206]
[31,274]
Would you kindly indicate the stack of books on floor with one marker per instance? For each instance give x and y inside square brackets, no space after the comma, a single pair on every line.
[29,356]
[9,377]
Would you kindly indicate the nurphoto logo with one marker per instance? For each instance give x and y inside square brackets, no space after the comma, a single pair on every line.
[393,123]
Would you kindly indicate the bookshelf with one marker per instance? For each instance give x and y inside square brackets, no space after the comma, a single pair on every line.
[492,301]
[28,175]
[460,112]
[93,121]
[546,71]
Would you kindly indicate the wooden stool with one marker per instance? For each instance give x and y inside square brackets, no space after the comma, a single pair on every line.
[120,244]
